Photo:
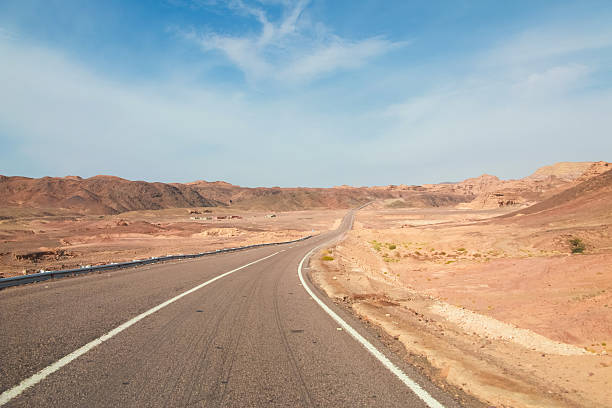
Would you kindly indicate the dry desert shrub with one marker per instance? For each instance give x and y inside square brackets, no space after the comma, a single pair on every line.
[577,246]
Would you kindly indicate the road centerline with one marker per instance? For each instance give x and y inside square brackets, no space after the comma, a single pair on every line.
[15,391]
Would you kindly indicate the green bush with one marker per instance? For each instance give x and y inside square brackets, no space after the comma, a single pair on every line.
[328,258]
[577,246]
[392,246]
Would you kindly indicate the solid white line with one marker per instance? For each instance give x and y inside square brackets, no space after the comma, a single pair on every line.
[8,395]
[414,387]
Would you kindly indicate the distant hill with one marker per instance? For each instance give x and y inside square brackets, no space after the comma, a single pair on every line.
[286,199]
[542,184]
[111,195]
[562,170]
[588,199]
[96,195]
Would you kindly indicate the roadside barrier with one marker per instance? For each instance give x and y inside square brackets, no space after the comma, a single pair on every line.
[42,276]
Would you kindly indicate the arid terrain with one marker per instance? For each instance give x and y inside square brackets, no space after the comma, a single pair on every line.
[501,288]
[29,243]
[513,306]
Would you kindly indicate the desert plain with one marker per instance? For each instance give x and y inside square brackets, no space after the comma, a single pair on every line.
[32,242]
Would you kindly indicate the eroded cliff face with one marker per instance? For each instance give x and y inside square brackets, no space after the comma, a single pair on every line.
[542,184]
[568,171]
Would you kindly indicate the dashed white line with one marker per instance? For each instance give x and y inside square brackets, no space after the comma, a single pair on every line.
[8,395]
[414,387]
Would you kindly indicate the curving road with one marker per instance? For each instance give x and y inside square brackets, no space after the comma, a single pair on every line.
[166,335]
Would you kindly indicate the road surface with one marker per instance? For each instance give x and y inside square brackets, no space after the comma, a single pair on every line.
[253,337]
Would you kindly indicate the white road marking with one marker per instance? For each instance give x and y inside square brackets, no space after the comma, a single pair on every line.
[8,395]
[414,387]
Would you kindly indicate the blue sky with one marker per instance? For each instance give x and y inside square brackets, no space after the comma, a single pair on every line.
[303,93]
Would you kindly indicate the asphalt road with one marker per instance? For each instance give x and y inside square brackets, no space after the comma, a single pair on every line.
[252,338]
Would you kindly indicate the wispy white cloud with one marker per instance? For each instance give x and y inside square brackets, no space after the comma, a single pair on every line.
[242,52]
[550,42]
[291,49]
[553,81]
[60,117]
[271,33]
[338,54]
[544,107]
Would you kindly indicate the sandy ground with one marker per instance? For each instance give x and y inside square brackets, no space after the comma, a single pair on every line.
[500,309]
[35,240]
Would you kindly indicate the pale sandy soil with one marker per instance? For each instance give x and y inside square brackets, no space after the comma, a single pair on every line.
[500,309]
[30,241]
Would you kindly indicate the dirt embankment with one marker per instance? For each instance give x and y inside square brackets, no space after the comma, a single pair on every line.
[500,308]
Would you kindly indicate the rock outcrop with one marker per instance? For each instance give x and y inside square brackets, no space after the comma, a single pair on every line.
[545,182]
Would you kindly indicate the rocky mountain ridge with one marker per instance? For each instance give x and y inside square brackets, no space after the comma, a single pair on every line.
[111,195]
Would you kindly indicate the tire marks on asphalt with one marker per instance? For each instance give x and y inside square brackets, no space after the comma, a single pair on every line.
[13,392]
[307,398]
